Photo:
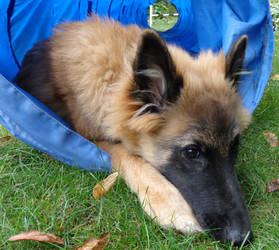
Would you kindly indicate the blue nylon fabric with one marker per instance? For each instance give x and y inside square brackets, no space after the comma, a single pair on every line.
[202,24]
[8,66]
[220,23]
[41,130]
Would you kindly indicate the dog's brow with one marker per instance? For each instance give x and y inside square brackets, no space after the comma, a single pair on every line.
[209,136]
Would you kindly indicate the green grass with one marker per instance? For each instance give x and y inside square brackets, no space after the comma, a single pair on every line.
[37,192]
[164,24]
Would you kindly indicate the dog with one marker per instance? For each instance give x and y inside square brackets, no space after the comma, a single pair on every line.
[173,122]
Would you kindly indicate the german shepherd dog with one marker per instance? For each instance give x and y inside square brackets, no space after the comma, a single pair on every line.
[173,122]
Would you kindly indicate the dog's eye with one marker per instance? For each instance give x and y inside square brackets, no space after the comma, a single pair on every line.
[192,151]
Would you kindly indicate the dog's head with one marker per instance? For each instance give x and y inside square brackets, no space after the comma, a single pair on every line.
[188,119]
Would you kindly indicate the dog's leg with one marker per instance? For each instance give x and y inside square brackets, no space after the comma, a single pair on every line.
[159,198]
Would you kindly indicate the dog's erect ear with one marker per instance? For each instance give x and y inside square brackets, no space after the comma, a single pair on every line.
[156,80]
[235,58]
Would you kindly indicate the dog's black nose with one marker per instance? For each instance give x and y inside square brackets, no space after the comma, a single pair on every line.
[233,230]
[239,238]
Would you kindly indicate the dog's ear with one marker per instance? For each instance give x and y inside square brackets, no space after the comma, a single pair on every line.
[156,80]
[235,58]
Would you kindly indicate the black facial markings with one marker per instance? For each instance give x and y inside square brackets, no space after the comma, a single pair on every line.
[209,185]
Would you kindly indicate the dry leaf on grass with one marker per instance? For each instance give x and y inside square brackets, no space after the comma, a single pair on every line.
[96,244]
[5,138]
[104,186]
[272,139]
[273,186]
[37,236]
[89,244]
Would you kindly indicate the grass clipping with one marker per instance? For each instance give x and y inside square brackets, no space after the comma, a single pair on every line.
[104,186]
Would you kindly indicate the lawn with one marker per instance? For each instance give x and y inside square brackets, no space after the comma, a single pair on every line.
[38,192]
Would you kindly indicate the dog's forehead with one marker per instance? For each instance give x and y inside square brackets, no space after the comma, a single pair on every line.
[210,129]
[213,134]
[209,133]
[215,123]
[210,122]
[204,114]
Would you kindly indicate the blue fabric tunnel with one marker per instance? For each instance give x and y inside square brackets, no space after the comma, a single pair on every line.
[202,24]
